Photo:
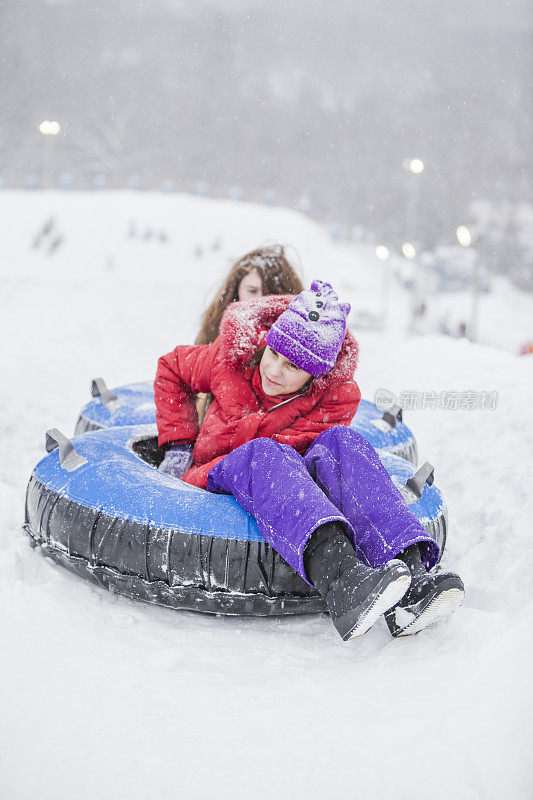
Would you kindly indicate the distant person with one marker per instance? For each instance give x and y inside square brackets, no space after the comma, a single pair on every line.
[259,273]
[420,310]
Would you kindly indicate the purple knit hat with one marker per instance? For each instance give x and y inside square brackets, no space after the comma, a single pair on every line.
[311,331]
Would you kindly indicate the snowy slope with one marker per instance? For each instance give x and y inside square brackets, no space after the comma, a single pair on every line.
[104,697]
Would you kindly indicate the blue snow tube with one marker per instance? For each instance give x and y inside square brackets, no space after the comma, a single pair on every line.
[133,404]
[98,505]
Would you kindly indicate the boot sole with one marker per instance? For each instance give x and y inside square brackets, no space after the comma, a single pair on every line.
[437,609]
[384,600]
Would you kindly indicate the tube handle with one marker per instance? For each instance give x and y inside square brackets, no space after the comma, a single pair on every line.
[99,389]
[424,474]
[69,458]
[393,415]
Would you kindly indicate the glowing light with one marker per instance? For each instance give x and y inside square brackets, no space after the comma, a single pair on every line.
[381,252]
[50,128]
[464,237]
[408,250]
[416,166]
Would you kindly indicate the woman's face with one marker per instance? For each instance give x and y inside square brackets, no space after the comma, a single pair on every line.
[250,286]
[279,375]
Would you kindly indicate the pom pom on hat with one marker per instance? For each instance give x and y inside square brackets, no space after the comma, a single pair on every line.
[311,331]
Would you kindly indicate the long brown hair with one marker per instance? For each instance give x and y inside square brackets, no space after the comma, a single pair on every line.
[277,277]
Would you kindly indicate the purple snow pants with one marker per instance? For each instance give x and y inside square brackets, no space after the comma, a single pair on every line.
[339,478]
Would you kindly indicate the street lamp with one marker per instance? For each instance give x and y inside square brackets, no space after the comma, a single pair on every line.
[408,250]
[464,237]
[49,128]
[382,253]
[416,167]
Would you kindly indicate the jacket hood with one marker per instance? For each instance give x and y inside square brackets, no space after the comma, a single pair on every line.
[243,329]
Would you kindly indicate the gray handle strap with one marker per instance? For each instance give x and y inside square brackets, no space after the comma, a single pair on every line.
[425,474]
[393,415]
[99,389]
[69,458]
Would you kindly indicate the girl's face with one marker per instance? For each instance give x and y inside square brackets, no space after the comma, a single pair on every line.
[250,286]
[279,375]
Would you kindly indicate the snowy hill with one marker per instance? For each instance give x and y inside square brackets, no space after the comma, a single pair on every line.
[103,696]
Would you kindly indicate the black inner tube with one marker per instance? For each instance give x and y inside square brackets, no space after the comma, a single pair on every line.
[148,450]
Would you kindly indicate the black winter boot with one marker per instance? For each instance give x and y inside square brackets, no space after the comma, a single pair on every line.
[431,597]
[356,595]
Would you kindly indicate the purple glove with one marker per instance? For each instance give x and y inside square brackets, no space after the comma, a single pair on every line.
[177,460]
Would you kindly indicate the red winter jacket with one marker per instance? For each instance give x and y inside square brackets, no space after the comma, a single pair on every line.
[240,411]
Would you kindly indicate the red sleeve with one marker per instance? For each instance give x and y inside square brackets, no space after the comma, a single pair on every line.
[180,375]
[337,407]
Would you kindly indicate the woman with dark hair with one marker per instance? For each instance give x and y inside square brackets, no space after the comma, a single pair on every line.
[261,272]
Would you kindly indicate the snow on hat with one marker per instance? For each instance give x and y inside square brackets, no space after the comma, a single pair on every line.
[311,331]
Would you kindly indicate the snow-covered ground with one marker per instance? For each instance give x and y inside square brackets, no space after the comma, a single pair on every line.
[103,697]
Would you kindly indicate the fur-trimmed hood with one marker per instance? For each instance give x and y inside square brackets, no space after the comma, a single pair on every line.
[243,329]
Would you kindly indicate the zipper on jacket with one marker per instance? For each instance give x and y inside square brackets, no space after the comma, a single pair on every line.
[283,402]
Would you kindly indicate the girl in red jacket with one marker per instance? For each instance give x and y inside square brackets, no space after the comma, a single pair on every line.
[277,438]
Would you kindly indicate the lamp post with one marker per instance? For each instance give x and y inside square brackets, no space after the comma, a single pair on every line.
[49,129]
[415,166]
[464,237]
[382,253]
[409,252]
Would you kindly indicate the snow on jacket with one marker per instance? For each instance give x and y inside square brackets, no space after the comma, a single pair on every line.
[240,411]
